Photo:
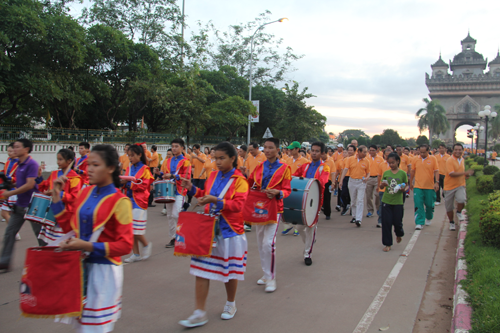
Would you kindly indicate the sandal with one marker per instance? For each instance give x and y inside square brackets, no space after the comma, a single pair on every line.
[387,249]
[399,239]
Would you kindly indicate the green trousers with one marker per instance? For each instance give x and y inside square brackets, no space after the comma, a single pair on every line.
[423,198]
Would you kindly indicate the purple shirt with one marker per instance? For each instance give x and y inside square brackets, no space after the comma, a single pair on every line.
[25,170]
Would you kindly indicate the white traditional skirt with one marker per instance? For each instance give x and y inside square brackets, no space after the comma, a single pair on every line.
[139,220]
[50,233]
[103,304]
[227,262]
[7,204]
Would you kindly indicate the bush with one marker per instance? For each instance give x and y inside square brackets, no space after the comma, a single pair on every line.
[496,181]
[472,155]
[490,170]
[484,184]
[476,167]
[480,160]
[468,162]
[489,225]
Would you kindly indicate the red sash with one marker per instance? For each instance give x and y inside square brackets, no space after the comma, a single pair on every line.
[259,209]
[52,283]
[195,233]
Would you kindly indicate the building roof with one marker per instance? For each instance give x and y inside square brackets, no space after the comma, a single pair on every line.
[469,39]
[495,61]
[440,63]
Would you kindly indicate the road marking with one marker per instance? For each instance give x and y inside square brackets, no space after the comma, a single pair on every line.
[377,302]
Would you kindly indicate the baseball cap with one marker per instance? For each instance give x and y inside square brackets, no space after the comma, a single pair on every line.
[261,148]
[340,145]
[294,145]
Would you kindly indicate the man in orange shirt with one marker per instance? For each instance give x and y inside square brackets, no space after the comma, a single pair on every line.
[404,163]
[210,165]
[425,172]
[338,187]
[454,183]
[372,189]
[153,164]
[327,195]
[359,170]
[254,158]
[148,153]
[198,160]
[344,181]
[124,160]
[339,155]
[441,158]
[242,153]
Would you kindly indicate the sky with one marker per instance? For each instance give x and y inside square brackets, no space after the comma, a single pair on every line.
[364,60]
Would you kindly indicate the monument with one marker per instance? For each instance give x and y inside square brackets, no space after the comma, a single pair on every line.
[467,89]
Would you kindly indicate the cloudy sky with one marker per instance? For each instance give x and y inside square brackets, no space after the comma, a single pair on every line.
[365,60]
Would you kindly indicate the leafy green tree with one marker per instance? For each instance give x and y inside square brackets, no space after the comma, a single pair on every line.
[436,143]
[433,118]
[390,137]
[363,141]
[494,124]
[422,140]
[231,115]
[271,104]
[376,140]
[353,134]
[410,142]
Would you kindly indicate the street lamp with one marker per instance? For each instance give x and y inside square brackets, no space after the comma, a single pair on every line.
[283,19]
[487,114]
[478,128]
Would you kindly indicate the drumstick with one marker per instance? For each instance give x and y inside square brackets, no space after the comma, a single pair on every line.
[68,169]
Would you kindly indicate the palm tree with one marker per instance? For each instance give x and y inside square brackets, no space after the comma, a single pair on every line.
[433,118]
[494,129]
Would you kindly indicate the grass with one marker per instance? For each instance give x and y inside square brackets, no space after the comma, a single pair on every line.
[483,269]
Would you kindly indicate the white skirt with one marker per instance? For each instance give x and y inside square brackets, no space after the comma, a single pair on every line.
[9,203]
[227,262]
[139,220]
[103,304]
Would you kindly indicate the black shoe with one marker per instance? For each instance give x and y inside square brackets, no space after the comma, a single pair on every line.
[353,221]
[5,268]
[328,217]
[186,206]
[358,224]
[308,261]
[337,208]
[152,206]
[344,212]
[171,243]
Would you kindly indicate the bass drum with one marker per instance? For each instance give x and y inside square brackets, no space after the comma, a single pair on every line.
[302,206]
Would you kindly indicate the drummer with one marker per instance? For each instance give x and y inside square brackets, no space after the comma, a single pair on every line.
[26,173]
[272,177]
[102,217]
[138,192]
[65,158]
[227,262]
[163,166]
[81,162]
[10,172]
[174,168]
[319,170]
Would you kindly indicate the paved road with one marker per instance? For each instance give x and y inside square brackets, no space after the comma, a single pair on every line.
[349,268]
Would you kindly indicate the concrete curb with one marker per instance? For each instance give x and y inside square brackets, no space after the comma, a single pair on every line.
[461,309]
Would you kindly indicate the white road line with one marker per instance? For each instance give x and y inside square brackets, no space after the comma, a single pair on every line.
[377,302]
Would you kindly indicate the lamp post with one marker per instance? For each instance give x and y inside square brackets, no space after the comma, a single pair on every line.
[478,128]
[251,68]
[487,114]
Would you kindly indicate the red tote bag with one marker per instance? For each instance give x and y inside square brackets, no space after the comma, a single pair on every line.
[195,233]
[259,209]
[52,283]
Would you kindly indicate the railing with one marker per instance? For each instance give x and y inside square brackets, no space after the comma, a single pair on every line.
[66,135]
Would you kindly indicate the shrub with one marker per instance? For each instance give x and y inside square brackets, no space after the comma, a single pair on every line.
[496,181]
[476,158]
[489,225]
[472,155]
[476,167]
[468,162]
[490,170]
[480,160]
[484,184]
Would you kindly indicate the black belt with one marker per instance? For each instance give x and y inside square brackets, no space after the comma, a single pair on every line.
[373,176]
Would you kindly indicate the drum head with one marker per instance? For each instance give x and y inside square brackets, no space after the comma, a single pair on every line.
[311,204]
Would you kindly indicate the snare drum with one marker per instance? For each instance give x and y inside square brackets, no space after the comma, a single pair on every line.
[302,206]
[39,210]
[164,191]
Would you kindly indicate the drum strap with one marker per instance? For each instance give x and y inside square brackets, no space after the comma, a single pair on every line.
[220,197]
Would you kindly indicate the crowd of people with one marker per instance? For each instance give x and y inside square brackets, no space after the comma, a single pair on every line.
[104,198]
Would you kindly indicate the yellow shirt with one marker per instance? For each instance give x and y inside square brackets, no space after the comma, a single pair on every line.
[338,156]
[252,162]
[404,162]
[210,167]
[241,161]
[154,160]
[454,165]
[382,167]
[148,155]
[198,166]
[124,161]
[374,164]
[294,165]
[424,172]
[358,168]
[441,159]
[331,164]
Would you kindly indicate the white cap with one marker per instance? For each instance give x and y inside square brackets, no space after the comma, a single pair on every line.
[340,145]
[261,148]
[239,147]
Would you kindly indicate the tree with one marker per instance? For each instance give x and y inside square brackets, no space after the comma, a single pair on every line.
[390,137]
[422,140]
[363,141]
[376,140]
[436,143]
[433,118]
[230,115]
[410,142]
[353,134]
[494,130]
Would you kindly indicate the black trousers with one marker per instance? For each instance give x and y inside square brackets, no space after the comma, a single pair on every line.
[392,215]
[346,198]
[327,198]
[441,186]
[339,198]
[151,193]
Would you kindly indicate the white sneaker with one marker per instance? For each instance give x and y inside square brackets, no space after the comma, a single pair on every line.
[18,237]
[248,228]
[460,217]
[3,220]
[261,281]
[195,320]
[229,312]
[437,203]
[132,258]
[428,222]
[270,286]
[418,227]
[147,251]
[164,211]
[452,226]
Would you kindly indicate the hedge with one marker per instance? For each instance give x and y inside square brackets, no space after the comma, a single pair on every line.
[484,184]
